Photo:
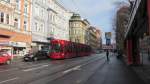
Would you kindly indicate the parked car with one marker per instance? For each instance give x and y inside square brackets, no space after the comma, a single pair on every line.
[40,55]
[5,58]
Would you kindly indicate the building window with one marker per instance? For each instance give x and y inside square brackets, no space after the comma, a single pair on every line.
[1,17]
[7,18]
[26,8]
[42,27]
[37,12]
[42,13]
[25,25]
[51,17]
[36,26]
[8,1]
[18,4]
[44,1]
[16,23]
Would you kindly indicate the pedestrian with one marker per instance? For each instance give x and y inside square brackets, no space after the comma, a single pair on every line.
[107,55]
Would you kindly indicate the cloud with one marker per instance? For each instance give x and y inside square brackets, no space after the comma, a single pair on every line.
[90,8]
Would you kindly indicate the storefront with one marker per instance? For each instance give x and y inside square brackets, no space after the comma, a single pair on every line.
[16,43]
[137,32]
[145,50]
[39,42]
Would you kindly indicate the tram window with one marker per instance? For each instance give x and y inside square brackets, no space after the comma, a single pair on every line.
[71,47]
[66,48]
[56,48]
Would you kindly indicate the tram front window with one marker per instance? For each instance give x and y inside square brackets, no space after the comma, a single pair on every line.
[56,48]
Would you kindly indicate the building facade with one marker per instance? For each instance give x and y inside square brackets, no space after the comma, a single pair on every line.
[78,29]
[93,42]
[15,35]
[58,20]
[40,24]
[137,33]
[99,39]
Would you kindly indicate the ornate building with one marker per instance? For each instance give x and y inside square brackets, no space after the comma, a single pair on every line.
[39,24]
[15,35]
[78,29]
[94,38]
[58,20]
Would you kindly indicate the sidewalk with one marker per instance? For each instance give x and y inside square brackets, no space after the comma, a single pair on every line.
[17,59]
[144,70]
[115,72]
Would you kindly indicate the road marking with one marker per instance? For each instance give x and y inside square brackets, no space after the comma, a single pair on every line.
[79,66]
[31,69]
[67,71]
[8,70]
[72,69]
[8,80]
[34,65]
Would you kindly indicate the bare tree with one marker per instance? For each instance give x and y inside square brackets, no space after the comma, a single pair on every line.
[119,26]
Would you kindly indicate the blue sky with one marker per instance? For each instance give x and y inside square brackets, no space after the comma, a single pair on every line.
[100,13]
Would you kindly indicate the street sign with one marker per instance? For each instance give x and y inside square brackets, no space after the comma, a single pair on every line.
[108,47]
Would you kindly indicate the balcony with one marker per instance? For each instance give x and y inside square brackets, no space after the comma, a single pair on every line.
[6,26]
[13,28]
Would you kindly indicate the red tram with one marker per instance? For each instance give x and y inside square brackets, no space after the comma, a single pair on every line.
[61,49]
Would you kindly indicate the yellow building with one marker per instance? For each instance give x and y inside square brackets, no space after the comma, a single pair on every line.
[92,37]
[78,29]
[15,26]
[99,39]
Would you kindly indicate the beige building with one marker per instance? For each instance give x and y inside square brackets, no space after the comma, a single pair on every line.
[94,38]
[99,39]
[78,29]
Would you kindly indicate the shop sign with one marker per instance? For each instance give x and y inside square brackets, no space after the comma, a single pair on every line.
[39,38]
[5,43]
[33,44]
[108,47]
[18,44]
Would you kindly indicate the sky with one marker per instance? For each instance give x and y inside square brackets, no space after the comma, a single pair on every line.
[100,13]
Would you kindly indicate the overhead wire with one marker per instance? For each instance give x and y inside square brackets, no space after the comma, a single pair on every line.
[78,9]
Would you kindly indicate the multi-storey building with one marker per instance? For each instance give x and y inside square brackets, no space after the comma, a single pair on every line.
[15,26]
[78,29]
[40,24]
[58,20]
[92,37]
[137,33]
[99,39]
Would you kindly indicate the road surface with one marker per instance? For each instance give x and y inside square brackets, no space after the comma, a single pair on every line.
[81,70]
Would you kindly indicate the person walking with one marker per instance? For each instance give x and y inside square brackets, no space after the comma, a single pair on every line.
[107,55]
